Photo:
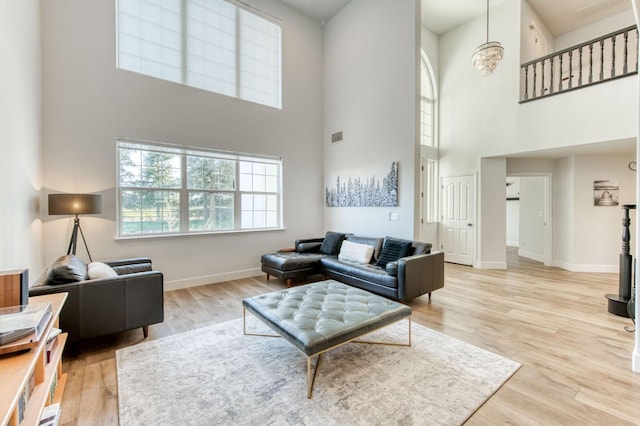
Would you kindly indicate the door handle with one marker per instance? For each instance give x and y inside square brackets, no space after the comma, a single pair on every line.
[469,224]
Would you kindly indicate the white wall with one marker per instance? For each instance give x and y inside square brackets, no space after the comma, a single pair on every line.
[531,46]
[533,214]
[598,229]
[20,137]
[88,103]
[431,45]
[563,212]
[491,230]
[371,95]
[595,30]
[478,114]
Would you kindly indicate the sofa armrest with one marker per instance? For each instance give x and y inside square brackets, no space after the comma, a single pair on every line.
[421,274]
[109,305]
[309,245]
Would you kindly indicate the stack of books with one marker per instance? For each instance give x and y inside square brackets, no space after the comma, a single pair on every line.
[24,322]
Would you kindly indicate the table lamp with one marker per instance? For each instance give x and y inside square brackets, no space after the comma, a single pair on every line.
[75,204]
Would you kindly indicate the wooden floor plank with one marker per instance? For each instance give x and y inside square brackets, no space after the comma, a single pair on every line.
[576,356]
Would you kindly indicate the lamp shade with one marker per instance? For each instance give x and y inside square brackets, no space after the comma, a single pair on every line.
[72,204]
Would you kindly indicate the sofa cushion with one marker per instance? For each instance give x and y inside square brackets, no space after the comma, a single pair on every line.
[331,243]
[376,242]
[420,248]
[392,268]
[336,268]
[392,250]
[66,269]
[360,253]
[99,270]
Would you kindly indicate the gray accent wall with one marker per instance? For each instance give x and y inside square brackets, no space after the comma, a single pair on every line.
[372,52]
[20,137]
[88,103]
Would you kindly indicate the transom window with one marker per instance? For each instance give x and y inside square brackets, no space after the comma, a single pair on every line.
[167,189]
[216,45]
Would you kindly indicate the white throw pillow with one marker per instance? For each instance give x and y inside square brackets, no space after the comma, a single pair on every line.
[98,270]
[355,252]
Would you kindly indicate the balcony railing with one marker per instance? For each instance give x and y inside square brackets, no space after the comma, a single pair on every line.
[605,58]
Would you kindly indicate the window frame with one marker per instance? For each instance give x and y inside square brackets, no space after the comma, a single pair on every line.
[184,190]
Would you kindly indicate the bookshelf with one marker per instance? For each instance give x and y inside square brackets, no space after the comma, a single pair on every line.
[26,369]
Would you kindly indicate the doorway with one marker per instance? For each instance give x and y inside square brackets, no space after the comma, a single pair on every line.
[528,216]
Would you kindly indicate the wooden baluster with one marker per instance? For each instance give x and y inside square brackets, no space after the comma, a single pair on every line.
[625,66]
[526,82]
[590,63]
[570,66]
[535,78]
[613,56]
[580,66]
[542,84]
[551,73]
[601,60]
[560,80]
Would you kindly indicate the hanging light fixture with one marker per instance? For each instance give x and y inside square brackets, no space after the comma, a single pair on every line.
[487,55]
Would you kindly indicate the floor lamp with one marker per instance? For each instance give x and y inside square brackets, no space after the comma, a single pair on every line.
[75,204]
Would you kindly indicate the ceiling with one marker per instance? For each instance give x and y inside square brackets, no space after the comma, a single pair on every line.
[440,16]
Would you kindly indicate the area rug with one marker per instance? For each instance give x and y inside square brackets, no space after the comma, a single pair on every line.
[217,376]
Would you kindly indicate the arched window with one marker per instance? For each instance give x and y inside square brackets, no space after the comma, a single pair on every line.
[427,104]
[428,142]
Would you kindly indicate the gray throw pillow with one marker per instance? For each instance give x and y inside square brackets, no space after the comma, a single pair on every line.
[66,269]
[331,243]
[392,251]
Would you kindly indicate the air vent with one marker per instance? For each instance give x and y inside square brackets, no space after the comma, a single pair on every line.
[336,137]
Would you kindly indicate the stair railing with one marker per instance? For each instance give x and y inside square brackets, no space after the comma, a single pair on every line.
[605,58]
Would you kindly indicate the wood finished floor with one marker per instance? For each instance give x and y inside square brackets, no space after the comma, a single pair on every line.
[576,357]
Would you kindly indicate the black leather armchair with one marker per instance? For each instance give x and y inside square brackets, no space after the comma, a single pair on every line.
[110,305]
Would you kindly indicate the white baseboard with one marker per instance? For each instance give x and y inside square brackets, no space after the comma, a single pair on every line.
[513,243]
[530,255]
[574,267]
[210,279]
[490,265]
[635,361]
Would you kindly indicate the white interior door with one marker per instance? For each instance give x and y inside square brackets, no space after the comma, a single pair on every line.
[458,219]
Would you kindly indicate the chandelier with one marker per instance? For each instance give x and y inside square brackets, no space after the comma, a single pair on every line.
[487,55]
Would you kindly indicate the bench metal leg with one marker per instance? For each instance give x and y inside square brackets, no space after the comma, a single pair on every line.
[311,380]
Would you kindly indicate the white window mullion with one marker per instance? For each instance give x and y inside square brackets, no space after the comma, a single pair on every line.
[184,34]
[184,197]
[238,54]
[237,200]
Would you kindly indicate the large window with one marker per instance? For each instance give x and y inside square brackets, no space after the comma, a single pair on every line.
[210,44]
[428,142]
[166,189]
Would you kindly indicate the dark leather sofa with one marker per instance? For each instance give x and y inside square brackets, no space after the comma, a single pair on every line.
[417,273]
[97,307]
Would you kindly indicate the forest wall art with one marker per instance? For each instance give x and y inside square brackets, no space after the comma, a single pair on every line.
[366,191]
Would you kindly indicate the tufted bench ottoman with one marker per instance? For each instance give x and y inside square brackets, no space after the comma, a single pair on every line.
[320,316]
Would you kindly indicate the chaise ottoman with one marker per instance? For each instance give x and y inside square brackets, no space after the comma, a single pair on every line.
[318,317]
